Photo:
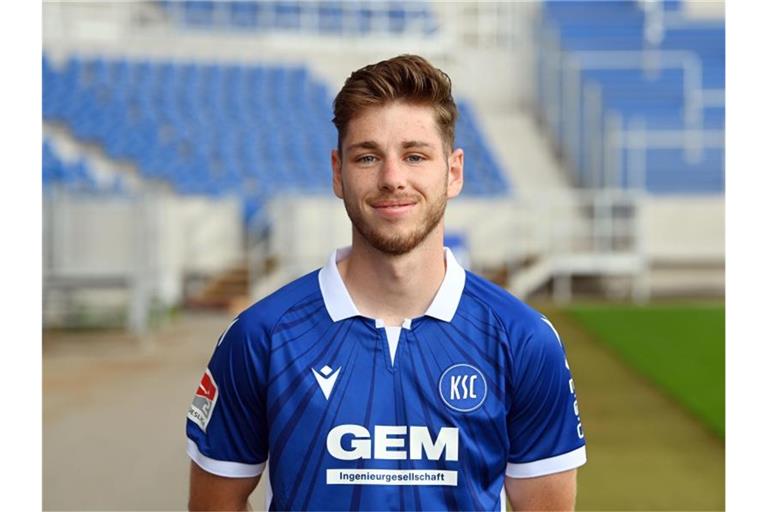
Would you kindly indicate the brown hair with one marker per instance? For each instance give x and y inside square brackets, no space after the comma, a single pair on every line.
[409,78]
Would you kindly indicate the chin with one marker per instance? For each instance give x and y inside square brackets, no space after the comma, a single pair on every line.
[396,244]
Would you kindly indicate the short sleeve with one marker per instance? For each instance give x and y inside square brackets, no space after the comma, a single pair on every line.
[226,421]
[543,423]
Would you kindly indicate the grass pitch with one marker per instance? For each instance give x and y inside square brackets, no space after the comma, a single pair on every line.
[681,348]
[645,451]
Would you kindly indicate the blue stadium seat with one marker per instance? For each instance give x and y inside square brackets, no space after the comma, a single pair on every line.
[287,16]
[669,172]
[330,17]
[210,129]
[199,12]
[397,18]
[246,14]
[658,101]
[75,176]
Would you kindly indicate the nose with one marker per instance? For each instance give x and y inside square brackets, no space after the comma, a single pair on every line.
[392,175]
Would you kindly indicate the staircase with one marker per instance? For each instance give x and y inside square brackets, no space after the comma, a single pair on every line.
[227,290]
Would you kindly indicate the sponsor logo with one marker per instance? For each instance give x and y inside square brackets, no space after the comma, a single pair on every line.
[202,405]
[391,477]
[392,442]
[326,378]
[463,387]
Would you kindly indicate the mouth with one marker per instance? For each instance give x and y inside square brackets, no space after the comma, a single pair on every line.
[393,208]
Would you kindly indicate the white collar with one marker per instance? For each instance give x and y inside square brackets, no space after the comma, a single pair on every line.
[339,303]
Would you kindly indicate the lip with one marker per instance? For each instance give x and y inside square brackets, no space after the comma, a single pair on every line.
[393,209]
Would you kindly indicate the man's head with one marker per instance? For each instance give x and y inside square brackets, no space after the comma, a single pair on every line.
[406,78]
[394,167]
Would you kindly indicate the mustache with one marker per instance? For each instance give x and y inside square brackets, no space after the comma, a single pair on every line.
[393,198]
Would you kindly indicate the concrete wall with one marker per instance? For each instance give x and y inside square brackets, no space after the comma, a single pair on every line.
[160,236]
[684,229]
[683,238]
[306,230]
[704,9]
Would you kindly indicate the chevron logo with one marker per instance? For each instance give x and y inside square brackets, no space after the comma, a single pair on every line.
[326,378]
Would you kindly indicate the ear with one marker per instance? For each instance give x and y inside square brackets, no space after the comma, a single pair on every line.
[338,188]
[455,173]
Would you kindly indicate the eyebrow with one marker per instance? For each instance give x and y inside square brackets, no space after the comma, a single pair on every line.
[369,144]
[416,144]
[366,144]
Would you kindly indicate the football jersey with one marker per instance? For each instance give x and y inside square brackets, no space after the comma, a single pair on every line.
[356,415]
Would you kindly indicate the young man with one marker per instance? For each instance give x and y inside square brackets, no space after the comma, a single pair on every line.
[390,379]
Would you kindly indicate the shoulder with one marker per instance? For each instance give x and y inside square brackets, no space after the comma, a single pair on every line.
[242,354]
[268,312]
[529,333]
[517,317]
[534,345]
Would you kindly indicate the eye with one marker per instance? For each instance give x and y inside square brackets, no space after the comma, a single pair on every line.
[365,159]
[415,158]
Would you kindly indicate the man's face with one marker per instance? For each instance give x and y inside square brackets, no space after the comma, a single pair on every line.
[395,176]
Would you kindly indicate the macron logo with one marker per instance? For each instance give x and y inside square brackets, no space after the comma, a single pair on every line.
[326,378]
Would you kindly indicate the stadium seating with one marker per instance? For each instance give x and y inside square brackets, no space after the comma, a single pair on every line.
[77,176]
[304,17]
[215,129]
[670,172]
[655,92]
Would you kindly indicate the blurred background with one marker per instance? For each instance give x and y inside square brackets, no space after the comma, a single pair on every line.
[186,174]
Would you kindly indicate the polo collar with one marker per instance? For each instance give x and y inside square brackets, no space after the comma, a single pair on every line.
[339,303]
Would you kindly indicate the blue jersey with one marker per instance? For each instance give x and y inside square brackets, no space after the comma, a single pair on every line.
[353,415]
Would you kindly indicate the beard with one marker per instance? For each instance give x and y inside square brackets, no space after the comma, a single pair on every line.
[396,244]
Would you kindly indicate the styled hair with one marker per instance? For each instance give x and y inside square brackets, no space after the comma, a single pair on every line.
[408,78]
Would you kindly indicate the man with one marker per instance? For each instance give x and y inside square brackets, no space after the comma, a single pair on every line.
[391,378]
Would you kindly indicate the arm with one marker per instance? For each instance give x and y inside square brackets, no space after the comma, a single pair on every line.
[226,426]
[553,492]
[211,492]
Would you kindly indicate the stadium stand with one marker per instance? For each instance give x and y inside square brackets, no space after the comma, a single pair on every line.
[611,73]
[214,129]
[217,113]
[335,18]
[76,176]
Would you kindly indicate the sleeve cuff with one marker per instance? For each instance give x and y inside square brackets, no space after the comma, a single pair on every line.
[221,467]
[541,467]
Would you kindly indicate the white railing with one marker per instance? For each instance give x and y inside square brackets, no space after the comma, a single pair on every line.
[572,95]
[590,137]
[93,242]
[564,234]
[137,248]
[638,140]
[588,233]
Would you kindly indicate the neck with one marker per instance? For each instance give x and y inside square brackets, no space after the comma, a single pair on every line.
[393,288]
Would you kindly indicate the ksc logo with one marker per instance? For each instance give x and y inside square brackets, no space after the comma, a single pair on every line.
[463,387]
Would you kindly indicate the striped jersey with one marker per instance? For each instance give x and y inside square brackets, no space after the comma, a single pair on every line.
[354,415]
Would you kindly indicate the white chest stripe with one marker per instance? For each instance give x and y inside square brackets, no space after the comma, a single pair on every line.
[393,337]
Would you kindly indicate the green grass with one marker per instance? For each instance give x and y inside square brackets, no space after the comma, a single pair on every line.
[679,347]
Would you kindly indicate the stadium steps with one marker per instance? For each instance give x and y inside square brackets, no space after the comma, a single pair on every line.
[224,291]
[530,278]
[531,164]
[525,152]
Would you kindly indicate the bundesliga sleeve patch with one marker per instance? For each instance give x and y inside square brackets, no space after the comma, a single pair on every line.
[201,408]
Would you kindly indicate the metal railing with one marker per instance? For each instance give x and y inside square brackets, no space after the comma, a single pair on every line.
[587,233]
[590,137]
[136,248]
[79,251]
